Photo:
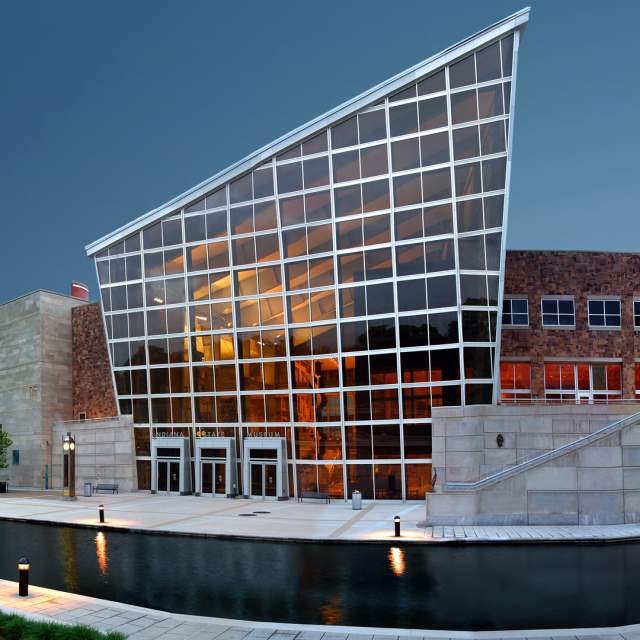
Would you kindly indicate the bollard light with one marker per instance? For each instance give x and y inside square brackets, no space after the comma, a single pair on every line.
[23,579]
[101,512]
[396,524]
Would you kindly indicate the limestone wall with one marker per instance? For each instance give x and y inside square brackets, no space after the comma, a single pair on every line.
[105,452]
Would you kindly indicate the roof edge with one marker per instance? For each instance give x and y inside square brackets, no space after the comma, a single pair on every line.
[495,30]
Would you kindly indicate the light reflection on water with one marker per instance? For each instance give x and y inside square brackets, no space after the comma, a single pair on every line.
[101,553]
[396,561]
[332,611]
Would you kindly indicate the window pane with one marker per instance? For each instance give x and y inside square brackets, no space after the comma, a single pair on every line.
[488,62]
[403,119]
[464,107]
[372,126]
[433,113]
[463,72]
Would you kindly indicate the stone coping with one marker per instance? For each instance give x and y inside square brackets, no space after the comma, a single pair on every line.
[140,623]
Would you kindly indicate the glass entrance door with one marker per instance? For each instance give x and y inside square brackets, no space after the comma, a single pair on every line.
[263,480]
[206,473]
[168,477]
[220,478]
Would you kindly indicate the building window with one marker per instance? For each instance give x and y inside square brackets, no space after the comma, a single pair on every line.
[558,312]
[515,381]
[582,383]
[636,313]
[15,456]
[82,415]
[604,313]
[515,312]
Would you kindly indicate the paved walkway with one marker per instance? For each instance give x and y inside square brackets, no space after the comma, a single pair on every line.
[284,520]
[138,623]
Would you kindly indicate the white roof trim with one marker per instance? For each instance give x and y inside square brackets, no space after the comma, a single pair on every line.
[346,109]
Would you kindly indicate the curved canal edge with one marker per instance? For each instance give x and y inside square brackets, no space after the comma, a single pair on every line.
[143,623]
[553,538]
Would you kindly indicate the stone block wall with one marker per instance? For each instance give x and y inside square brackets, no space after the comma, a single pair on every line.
[105,452]
[93,391]
[582,274]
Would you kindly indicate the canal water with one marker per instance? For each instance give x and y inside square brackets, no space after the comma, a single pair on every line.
[470,587]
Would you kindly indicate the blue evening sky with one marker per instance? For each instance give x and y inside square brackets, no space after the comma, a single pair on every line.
[109,109]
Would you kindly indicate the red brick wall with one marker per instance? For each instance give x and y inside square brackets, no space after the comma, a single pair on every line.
[92,382]
[581,274]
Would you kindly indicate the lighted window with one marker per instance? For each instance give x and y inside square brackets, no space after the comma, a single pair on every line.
[515,380]
[558,312]
[604,313]
[515,312]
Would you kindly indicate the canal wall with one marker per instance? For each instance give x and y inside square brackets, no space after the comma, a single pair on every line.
[576,464]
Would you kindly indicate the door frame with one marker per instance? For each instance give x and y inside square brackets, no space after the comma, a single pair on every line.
[263,464]
[184,461]
[282,479]
[168,462]
[217,442]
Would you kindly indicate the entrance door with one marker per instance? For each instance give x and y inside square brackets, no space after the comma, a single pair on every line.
[220,478]
[263,480]
[206,472]
[168,477]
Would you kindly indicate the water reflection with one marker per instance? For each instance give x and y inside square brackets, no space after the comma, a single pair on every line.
[332,611]
[70,567]
[101,552]
[396,561]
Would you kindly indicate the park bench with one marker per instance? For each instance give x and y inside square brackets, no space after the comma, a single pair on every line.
[314,495]
[108,488]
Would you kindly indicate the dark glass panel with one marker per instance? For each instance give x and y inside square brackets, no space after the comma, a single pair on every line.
[492,137]
[289,177]
[443,328]
[270,279]
[326,373]
[475,326]
[372,126]
[403,119]
[325,339]
[493,174]
[172,232]
[180,382]
[160,410]
[355,371]
[321,272]
[241,190]
[289,154]
[217,198]
[439,255]
[471,252]
[358,442]
[407,190]
[173,262]
[318,206]
[351,267]
[432,84]
[348,200]
[216,224]
[263,182]
[136,324]
[410,259]
[317,144]
[360,478]
[373,161]
[433,113]
[354,335]
[493,241]
[134,267]
[159,380]
[249,345]
[507,55]
[156,322]
[378,263]
[132,243]
[198,205]
[220,284]
[414,366]
[120,326]
[465,143]
[488,62]
[345,134]
[437,220]
[176,320]
[346,166]
[296,275]
[413,331]
[489,102]
[251,376]
[416,403]
[417,480]
[265,216]
[386,440]
[493,211]
[352,302]
[205,409]
[197,258]
[304,411]
[445,364]
[384,369]
[201,349]
[121,354]
[434,149]
[158,351]
[477,362]
[404,94]
[153,265]
[357,405]
[478,394]
[300,342]
[375,195]
[316,172]
[405,154]
[327,407]
[294,242]
[411,295]
[298,306]
[252,408]
[380,298]
[469,215]
[442,292]
[349,234]
[382,333]
[436,185]
[267,248]
[277,407]
[388,481]
[119,296]
[117,270]
[408,224]
[271,310]
[463,72]
[302,374]
[273,344]
[243,250]
[242,219]
[152,236]
[323,305]
[226,408]
[319,238]
[194,229]
[292,211]
[103,272]
[473,290]
[464,107]
[493,283]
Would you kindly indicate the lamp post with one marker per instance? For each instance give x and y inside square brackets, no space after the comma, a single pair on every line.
[23,579]
[69,467]
[101,512]
[396,525]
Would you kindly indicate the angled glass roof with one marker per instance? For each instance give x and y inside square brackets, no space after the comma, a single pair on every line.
[306,131]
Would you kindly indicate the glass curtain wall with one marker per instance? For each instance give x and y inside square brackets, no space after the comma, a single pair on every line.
[333,295]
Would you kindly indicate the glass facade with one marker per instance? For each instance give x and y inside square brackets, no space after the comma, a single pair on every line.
[333,294]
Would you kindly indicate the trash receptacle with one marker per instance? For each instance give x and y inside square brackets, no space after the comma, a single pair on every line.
[356,500]
[88,489]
